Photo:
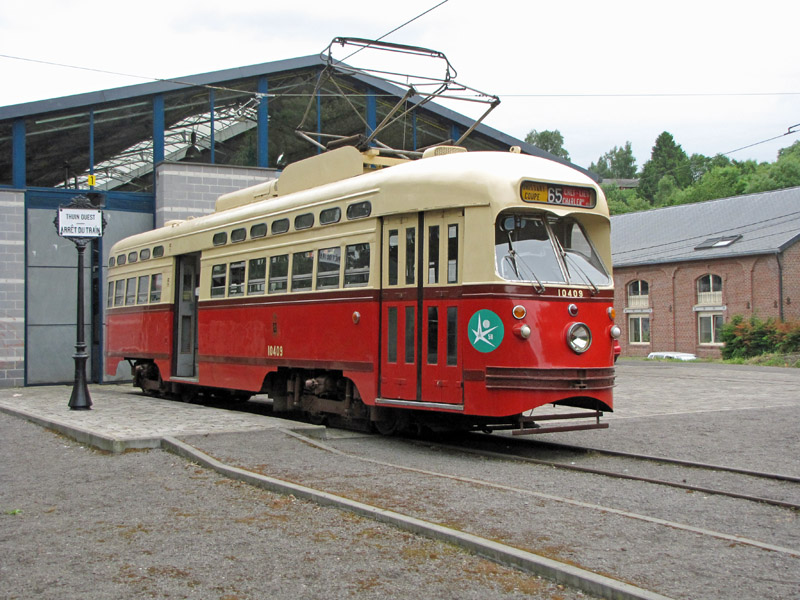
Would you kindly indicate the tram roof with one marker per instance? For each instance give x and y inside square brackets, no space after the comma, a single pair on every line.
[762,223]
[468,178]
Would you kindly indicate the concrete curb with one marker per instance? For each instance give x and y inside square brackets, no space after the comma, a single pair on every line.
[569,575]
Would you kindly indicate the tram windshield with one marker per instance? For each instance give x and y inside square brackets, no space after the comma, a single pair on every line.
[537,249]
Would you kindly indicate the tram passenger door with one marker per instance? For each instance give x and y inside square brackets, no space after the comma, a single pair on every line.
[185,337]
[419,310]
[441,367]
[399,308]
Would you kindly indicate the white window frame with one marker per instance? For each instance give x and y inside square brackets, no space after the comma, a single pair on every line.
[640,317]
[713,315]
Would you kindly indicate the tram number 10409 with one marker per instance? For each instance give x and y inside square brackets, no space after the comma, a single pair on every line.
[570,293]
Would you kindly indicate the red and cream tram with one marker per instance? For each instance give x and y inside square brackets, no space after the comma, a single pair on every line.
[466,289]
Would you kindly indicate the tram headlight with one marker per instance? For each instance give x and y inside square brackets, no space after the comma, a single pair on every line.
[615,332]
[579,337]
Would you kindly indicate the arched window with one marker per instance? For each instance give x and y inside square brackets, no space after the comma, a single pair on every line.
[709,289]
[638,294]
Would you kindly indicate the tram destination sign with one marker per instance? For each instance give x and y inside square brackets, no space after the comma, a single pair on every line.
[80,222]
[561,195]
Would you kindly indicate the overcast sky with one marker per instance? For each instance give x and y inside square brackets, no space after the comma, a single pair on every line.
[718,75]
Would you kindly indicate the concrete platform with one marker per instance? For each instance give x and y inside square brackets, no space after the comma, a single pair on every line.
[122,418]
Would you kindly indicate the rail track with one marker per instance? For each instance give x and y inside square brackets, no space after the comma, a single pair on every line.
[787,481]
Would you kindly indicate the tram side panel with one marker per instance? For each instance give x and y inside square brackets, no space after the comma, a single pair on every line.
[240,343]
[140,333]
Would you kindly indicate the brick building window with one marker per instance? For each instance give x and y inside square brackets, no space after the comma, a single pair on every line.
[639,329]
[638,294]
[709,327]
[709,290]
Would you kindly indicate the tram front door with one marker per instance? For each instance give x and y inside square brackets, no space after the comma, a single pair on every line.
[420,288]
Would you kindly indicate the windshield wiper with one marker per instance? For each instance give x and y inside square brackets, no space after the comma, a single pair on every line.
[566,255]
[516,260]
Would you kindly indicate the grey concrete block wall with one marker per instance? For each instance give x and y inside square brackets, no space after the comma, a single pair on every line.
[12,288]
[191,189]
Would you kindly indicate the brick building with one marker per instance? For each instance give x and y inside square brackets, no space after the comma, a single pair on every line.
[681,272]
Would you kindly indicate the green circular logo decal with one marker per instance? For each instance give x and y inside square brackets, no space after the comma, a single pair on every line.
[485,331]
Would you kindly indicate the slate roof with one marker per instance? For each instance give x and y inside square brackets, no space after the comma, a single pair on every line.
[768,223]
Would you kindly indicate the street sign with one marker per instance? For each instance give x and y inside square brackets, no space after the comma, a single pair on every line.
[80,222]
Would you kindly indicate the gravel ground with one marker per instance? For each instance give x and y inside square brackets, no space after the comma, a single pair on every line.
[77,523]
[664,559]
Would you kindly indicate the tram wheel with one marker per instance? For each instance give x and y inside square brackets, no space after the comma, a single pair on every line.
[393,422]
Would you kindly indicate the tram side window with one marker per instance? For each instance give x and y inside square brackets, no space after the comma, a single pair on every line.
[155,287]
[238,235]
[359,210]
[356,267]
[158,251]
[329,264]
[391,335]
[411,255]
[258,230]
[394,255]
[119,292]
[142,289]
[130,291]
[280,226]
[330,215]
[433,254]
[452,336]
[256,275]
[278,273]
[218,281]
[452,253]
[302,268]
[410,335]
[433,335]
[236,279]
[144,254]
[304,221]
[110,295]
[133,257]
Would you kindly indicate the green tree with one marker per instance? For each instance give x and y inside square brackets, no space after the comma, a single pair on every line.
[667,158]
[549,141]
[783,173]
[617,163]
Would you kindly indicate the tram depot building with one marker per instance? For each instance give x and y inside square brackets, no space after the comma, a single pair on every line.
[167,150]
[158,152]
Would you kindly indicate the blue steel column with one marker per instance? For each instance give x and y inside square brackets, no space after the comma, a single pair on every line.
[18,154]
[414,128]
[263,122]
[158,131]
[91,144]
[212,98]
[454,132]
[372,111]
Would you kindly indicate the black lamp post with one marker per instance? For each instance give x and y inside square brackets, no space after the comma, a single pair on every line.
[81,221]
